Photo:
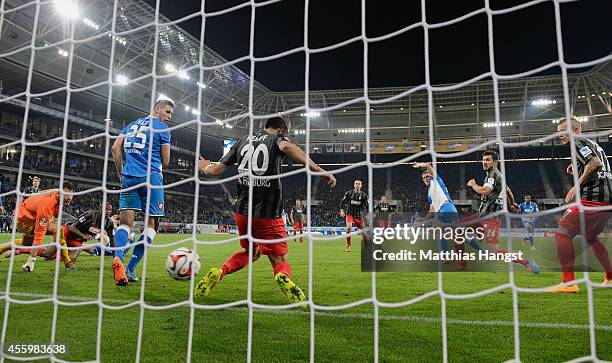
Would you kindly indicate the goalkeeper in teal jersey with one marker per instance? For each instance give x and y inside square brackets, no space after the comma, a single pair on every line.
[142,136]
[528,208]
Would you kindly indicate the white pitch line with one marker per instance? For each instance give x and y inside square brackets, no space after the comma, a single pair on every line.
[353,315]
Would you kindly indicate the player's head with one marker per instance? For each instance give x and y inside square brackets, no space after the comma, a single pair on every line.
[383,199]
[563,126]
[357,185]
[426,177]
[527,199]
[107,209]
[276,126]
[298,202]
[163,109]
[35,182]
[69,189]
[490,158]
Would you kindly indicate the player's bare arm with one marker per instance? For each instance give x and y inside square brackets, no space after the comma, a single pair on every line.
[299,156]
[589,170]
[511,201]
[427,166]
[209,168]
[165,155]
[76,231]
[117,150]
[481,190]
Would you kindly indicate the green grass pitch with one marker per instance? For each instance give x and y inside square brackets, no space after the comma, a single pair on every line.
[553,327]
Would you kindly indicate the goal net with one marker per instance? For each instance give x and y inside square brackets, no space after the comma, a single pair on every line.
[74,75]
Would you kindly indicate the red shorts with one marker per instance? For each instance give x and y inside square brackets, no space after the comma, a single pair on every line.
[264,228]
[356,221]
[383,223]
[491,230]
[70,242]
[298,225]
[594,221]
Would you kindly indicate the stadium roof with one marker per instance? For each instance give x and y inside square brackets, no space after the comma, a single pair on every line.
[224,88]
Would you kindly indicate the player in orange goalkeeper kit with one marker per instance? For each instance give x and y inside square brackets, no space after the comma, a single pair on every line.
[34,222]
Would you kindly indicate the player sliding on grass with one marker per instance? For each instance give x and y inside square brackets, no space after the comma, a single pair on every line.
[493,199]
[136,140]
[595,182]
[262,153]
[86,228]
[354,206]
[34,217]
[297,218]
[527,208]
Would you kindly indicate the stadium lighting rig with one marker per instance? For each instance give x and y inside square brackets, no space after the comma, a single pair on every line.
[578,118]
[67,8]
[351,131]
[121,80]
[543,102]
[182,74]
[497,124]
[311,114]
[170,68]
[91,23]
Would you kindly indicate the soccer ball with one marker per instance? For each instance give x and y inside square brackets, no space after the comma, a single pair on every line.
[182,263]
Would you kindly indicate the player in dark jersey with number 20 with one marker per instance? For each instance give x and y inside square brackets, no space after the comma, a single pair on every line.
[263,153]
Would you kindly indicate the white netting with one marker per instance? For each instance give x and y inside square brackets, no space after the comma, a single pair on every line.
[314,309]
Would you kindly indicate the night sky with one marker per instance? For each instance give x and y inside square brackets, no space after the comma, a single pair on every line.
[524,39]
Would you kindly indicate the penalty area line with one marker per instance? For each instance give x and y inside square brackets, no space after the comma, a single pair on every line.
[321,313]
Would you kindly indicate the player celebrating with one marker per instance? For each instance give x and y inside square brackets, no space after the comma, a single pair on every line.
[296,217]
[34,222]
[263,154]
[526,208]
[354,206]
[595,182]
[492,199]
[383,211]
[135,141]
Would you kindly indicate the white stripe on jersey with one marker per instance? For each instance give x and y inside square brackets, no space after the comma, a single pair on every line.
[437,194]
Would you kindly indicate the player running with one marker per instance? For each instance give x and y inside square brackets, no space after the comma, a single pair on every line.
[526,209]
[354,206]
[263,154]
[383,212]
[296,217]
[595,183]
[34,217]
[492,199]
[135,141]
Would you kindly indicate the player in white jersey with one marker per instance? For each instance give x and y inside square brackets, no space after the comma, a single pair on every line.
[527,208]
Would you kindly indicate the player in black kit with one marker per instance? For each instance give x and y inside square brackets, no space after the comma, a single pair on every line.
[595,190]
[263,154]
[383,211]
[296,217]
[87,228]
[354,206]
